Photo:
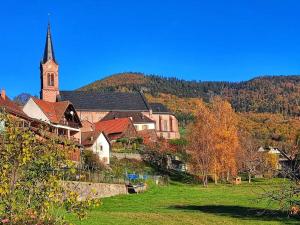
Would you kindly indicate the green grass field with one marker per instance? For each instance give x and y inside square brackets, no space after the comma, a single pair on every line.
[190,204]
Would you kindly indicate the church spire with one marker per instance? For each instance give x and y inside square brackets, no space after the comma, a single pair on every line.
[49,72]
[49,51]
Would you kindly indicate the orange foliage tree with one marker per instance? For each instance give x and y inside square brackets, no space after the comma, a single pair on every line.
[226,139]
[201,143]
[213,141]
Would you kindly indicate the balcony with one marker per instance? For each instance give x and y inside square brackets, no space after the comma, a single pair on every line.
[70,124]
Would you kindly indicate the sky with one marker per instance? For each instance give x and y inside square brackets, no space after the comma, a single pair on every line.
[215,40]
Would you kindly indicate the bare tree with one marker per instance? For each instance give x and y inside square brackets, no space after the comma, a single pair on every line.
[250,160]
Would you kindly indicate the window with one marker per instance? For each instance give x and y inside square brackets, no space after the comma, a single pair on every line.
[50,79]
[101,148]
[145,127]
[165,128]
[136,127]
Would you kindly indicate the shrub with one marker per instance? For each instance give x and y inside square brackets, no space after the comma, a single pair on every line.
[30,174]
[92,161]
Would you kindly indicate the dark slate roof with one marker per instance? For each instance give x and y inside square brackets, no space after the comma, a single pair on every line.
[137,117]
[159,108]
[105,101]
[49,51]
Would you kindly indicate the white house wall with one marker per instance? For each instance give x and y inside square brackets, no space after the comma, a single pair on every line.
[105,153]
[139,126]
[32,110]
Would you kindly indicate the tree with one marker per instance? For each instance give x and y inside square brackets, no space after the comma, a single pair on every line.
[226,138]
[201,143]
[213,141]
[31,168]
[249,158]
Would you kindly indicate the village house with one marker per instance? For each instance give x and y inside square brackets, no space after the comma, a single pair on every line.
[34,124]
[140,121]
[94,106]
[11,108]
[61,116]
[117,128]
[98,143]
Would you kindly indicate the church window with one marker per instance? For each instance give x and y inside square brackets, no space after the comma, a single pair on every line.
[50,79]
[165,128]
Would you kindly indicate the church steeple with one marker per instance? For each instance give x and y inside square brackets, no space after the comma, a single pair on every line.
[49,72]
[49,51]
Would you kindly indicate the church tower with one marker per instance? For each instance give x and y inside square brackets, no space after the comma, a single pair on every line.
[49,72]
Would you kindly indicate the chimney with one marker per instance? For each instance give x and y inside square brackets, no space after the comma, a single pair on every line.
[3,95]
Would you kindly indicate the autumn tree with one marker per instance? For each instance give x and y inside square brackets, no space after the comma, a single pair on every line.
[32,166]
[226,138]
[213,141]
[201,143]
[249,158]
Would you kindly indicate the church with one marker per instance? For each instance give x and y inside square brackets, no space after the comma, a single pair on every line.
[93,106]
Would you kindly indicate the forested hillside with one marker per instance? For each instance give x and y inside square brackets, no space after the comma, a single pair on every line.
[274,94]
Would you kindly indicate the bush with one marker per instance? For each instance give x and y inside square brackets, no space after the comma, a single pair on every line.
[30,174]
[92,161]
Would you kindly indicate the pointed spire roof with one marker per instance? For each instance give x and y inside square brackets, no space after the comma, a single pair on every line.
[49,51]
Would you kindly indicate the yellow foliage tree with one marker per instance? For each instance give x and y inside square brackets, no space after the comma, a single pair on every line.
[213,141]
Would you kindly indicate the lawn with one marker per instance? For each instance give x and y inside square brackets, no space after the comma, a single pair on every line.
[190,204]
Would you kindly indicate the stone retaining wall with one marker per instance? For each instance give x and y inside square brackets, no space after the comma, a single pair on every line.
[127,156]
[95,190]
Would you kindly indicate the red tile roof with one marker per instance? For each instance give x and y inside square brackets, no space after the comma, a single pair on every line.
[12,108]
[53,110]
[113,126]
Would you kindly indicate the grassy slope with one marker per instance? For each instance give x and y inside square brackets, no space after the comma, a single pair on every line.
[184,204]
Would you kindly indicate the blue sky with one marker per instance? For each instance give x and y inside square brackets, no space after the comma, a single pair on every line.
[189,39]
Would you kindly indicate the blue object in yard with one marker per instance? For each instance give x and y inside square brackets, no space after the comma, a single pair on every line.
[132,176]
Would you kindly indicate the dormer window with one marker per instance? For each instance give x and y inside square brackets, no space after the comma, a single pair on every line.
[50,77]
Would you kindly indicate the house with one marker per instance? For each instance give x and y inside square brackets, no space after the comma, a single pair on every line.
[140,121]
[117,128]
[34,124]
[282,157]
[94,106]
[12,108]
[61,116]
[98,143]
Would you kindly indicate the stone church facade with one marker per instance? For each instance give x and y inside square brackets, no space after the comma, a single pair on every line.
[94,106]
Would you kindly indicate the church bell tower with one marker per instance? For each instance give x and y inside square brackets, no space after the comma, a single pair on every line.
[49,72]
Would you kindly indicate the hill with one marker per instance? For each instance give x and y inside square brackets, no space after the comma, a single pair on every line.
[272,94]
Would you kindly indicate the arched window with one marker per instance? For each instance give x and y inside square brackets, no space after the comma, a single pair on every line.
[50,78]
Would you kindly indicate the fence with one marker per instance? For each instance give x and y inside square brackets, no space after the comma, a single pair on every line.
[85,175]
